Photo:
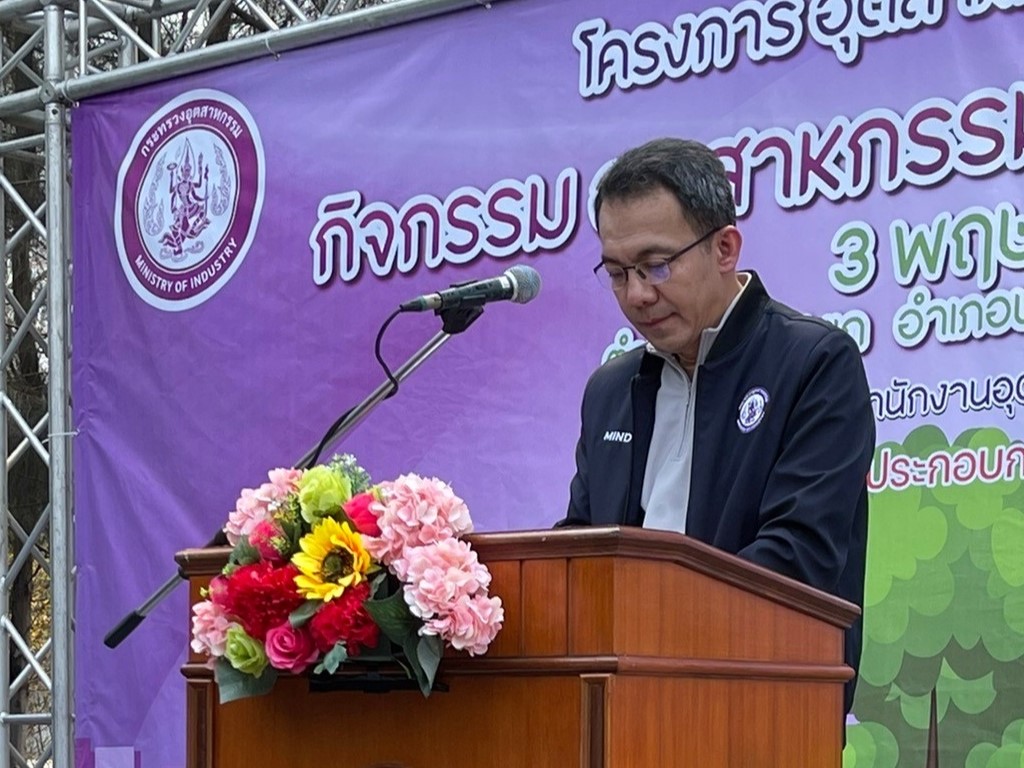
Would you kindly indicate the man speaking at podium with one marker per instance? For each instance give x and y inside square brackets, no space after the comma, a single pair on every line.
[742,422]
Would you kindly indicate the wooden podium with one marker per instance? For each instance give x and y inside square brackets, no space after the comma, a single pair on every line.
[622,648]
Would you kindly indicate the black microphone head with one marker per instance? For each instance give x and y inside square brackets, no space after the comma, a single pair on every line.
[526,282]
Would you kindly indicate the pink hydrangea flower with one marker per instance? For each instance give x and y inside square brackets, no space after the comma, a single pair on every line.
[285,480]
[254,505]
[416,511]
[469,625]
[210,625]
[290,649]
[399,565]
[440,575]
[249,511]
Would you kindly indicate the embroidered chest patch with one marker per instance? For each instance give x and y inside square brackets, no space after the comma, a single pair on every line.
[752,409]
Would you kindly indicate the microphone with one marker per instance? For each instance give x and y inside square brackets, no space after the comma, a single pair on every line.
[519,284]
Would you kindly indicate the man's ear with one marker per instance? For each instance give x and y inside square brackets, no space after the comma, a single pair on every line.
[727,244]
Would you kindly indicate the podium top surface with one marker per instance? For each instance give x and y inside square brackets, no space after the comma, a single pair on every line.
[625,542]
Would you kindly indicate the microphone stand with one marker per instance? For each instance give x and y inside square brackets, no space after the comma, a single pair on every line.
[454,320]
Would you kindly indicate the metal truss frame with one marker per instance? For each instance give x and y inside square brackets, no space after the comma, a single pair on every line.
[53,53]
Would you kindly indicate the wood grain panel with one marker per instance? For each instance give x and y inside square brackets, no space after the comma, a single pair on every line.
[691,615]
[591,606]
[594,720]
[514,723]
[545,602]
[200,700]
[704,723]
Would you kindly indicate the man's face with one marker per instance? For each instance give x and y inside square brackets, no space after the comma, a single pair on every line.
[672,314]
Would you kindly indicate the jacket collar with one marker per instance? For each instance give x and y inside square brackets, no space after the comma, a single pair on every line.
[742,320]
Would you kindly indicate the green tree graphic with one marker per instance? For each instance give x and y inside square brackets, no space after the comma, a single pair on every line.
[944,610]
[1008,754]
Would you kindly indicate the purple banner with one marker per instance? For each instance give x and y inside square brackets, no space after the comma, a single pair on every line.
[241,234]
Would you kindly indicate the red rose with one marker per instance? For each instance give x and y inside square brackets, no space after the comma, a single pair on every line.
[357,509]
[344,619]
[270,541]
[259,596]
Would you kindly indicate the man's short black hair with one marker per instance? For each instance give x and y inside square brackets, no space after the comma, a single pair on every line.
[689,170]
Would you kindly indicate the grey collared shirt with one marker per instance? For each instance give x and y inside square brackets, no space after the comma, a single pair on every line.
[666,491]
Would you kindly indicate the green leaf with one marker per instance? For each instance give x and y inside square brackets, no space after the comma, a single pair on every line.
[244,553]
[411,648]
[335,657]
[429,651]
[378,585]
[394,619]
[290,520]
[422,657]
[303,613]
[233,685]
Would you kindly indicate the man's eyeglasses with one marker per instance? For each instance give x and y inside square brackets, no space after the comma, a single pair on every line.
[615,276]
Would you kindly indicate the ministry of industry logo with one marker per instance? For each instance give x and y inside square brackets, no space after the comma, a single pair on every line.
[752,409]
[189,195]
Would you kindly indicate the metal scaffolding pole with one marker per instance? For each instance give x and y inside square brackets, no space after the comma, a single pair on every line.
[58,316]
[5,552]
[266,44]
[300,34]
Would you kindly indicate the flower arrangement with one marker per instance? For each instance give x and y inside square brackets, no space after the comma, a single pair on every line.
[327,567]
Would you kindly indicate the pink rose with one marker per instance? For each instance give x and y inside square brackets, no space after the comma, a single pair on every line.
[440,575]
[210,625]
[290,649]
[360,509]
[469,625]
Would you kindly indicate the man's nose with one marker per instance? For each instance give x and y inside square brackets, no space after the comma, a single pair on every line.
[639,292]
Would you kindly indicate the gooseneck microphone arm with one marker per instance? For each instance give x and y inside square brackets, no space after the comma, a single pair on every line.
[384,390]
[454,320]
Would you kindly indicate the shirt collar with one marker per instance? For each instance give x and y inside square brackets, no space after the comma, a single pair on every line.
[708,335]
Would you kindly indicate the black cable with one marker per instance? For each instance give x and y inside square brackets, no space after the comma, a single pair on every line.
[376,353]
[387,372]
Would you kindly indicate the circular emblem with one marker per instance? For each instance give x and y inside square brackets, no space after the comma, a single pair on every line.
[752,409]
[189,195]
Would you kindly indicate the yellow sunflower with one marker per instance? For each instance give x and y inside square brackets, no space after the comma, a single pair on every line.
[332,559]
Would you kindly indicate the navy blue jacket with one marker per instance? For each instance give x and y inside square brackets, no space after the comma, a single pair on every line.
[789,494]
